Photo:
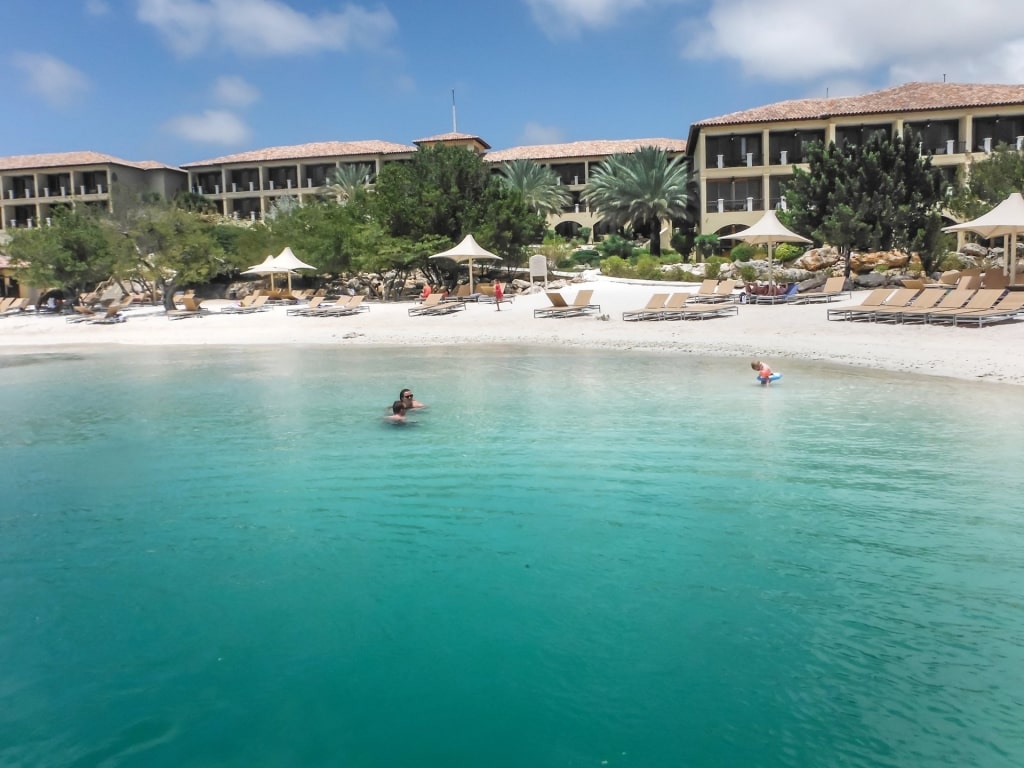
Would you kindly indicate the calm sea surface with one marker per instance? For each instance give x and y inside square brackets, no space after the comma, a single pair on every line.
[225,557]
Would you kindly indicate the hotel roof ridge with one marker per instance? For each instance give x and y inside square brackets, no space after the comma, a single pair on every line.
[586,148]
[312,149]
[909,97]
[85,157]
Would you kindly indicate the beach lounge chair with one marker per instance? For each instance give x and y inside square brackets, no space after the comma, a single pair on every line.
[254,304]
[707,288]
[870,302]
[834,288]
[561,308]
[779,296]
[699,311]
[982,300]
[925,300]
[995,278]
[1009,307]
[13,306]
[308,309]
[723,292]
[649,311]
[353,306]
[191,309]
[112,314]
[435,305]
[82,314]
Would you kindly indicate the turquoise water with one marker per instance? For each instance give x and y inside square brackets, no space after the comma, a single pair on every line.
[225,557]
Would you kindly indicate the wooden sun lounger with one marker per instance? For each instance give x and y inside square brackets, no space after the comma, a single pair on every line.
[702,311]
[870,302]
[192,309]
[723,292]
[307,310]
[649,311]
[834,288]
[1010,307]
[254,304]
[561,308]
[435,305]
[353,306]
[982,300]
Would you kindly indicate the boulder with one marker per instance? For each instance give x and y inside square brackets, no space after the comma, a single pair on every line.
[868,262]
[817,259]
[974,250]
[870,280]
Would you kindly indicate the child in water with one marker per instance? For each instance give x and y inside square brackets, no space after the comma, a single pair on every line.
[764,373]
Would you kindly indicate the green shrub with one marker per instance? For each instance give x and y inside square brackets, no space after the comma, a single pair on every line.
[616,245]
[615,266]
[748,273]
[713,267]
[742,252]
[950,261]
[785,252]
[586,256]
[648,268]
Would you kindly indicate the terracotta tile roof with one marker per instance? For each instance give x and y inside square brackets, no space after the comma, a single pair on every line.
[57,159]
[452,137]
[311,151]
[911,97]
[598,148]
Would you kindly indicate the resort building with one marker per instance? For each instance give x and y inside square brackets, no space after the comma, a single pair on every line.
[31,185]
[743,159]
[573,163]
[246,185]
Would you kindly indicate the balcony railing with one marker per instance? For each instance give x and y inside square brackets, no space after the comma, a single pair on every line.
[748,160]
[734,204]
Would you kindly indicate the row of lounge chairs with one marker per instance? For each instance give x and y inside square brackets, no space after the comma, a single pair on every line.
[681,306]
[935,306]
[343,306]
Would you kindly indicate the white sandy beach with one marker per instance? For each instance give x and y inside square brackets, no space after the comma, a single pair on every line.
[775,333]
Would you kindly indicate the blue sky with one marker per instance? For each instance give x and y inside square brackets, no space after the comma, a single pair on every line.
[184,80]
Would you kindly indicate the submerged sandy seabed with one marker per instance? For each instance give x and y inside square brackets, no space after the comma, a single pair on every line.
[775,333]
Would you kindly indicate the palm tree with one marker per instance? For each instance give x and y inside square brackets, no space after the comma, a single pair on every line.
[642,188]
[346,179]
[538,185]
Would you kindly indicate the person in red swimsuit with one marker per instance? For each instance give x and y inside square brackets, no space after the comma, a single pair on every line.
[498,295]
[764,373]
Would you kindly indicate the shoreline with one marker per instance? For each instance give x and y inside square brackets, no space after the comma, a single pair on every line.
[774,332]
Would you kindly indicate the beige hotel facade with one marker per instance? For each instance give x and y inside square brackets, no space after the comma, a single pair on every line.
[741,160]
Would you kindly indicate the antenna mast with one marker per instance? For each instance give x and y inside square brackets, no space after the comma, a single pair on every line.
[454,124]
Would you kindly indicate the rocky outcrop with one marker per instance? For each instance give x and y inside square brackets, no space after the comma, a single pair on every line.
[817,259]
[869,262]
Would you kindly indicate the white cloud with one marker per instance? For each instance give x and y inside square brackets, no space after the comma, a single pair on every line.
[571,16]
[215,126]
[804,40]
[97,7]
[535,133]
[264,27]
[234,91]
[57,83]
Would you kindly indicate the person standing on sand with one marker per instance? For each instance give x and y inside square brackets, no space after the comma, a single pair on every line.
[498,295]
